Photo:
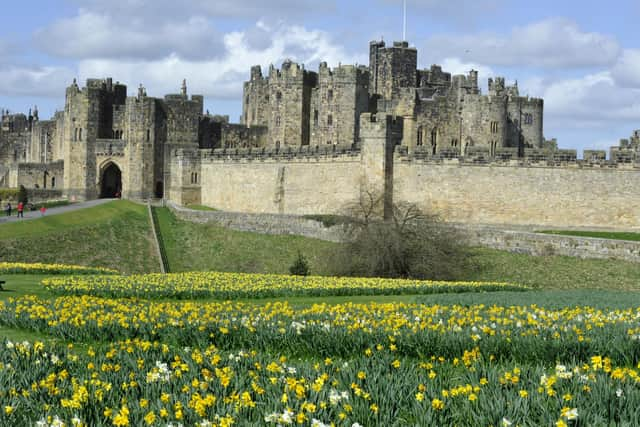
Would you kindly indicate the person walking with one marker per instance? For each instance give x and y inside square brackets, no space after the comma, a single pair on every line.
[20,210]
[8,209]
[42,210]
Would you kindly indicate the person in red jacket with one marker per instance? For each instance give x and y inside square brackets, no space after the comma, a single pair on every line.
[20,210]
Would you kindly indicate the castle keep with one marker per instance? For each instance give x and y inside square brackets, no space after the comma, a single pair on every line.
[311,142]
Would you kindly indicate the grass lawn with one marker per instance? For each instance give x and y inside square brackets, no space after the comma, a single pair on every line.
[549,299]
[23,284]
[634,237]
[115,235]
[204,247]
[201,208]
[554,272]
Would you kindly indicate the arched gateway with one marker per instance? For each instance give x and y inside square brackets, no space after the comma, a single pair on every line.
[111,182]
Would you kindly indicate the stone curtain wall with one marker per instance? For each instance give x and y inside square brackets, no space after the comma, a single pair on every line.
[491,194]
[300,185]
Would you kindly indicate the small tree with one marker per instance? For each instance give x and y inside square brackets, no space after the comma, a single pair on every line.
[300,266]
[22,195]
[411,243]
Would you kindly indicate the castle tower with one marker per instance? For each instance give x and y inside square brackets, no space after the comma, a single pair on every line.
[341,96]
[392,68]
[183,117]
[142,134]
[525,121]
[379,136]
[289,107]
[80,133]
[483,123]
[88,117]
[256,99]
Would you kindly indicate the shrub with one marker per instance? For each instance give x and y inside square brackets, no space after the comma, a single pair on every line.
[8,193]
[22,195]
[409,243]
[300,266]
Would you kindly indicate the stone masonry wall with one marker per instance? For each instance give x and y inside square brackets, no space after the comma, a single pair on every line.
[262,223]
[492,194]
[547,244]
[297,185]
[41,175]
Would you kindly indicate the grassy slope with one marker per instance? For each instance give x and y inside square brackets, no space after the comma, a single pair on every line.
[205,247]
[634,237]
[115,235]
[197,247]
[555,272]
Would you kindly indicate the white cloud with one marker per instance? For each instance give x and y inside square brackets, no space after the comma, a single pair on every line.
[92,35]
[627,71]
[552,43]
[593,100]
[221,78]
[457,66]
[48,81]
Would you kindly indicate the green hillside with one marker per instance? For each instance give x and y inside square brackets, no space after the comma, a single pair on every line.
[115,235]
[204,247]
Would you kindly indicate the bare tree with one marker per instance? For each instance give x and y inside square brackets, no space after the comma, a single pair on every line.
[411,243]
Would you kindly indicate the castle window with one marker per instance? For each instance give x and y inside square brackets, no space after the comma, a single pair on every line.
[528,119]
[316,115]
[194,177]
[419,142]
[278,121]
[330,95]
[53,182]
[434,141]
[15,155]
[279,96]
[247,100]
[454,142]
[75,134]
[80,134]
[148,135]
[494,127]
[493,147]
[329,120]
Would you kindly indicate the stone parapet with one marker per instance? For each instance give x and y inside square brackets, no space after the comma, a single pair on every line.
[261,223]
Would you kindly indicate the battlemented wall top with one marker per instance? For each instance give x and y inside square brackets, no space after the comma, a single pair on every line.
[531,157]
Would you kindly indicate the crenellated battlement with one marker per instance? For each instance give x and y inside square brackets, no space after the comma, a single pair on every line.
[507,156]
[324,153]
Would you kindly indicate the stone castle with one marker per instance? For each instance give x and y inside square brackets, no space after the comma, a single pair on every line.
[311,142]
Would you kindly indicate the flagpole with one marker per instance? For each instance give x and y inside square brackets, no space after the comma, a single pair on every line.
[404,22]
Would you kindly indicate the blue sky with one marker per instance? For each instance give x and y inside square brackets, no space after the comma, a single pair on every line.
[582,57]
